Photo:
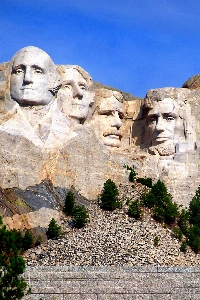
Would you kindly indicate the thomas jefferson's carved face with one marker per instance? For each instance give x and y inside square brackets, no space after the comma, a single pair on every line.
[29,80]
[75,95]
[108,121]
[162,121]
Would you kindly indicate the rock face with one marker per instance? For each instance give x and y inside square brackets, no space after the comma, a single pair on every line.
[59,131]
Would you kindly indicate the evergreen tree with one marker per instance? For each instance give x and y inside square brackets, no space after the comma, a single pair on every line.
[134,210]
[194,238]
[145,181]
[12,266]
[164,210]
[53,230]
[171,212]
[28,240]
[183,221]
[148,199]
[132,176]
[109,195]
[194,209]
[160,192]
[69,203]
[79,216]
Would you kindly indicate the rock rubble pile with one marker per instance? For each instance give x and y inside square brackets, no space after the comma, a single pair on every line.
[113,238]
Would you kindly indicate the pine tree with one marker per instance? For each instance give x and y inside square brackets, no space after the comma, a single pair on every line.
[194,209]
[53,230]
[109,195]
[28,240]
[134,209]
[79,216]
[164,210]
[132,176]
[160,192]
[69,203]
[12,266]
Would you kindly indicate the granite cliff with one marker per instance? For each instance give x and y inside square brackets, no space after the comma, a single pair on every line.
[61,131]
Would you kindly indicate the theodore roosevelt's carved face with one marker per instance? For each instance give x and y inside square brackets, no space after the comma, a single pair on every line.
[74,95]
[108,121]
[29,82]
[161,121]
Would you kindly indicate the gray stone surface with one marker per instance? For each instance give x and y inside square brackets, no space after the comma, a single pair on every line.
[113,283]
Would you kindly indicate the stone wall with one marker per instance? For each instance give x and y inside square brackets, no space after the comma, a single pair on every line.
[111,283]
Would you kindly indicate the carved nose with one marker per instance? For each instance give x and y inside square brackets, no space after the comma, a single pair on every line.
[160,126]
[77,92]
[28,76]
[117,122]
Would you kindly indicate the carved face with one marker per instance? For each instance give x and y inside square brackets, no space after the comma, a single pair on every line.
[75,95]
[108,121]
[30,78]
[162,121]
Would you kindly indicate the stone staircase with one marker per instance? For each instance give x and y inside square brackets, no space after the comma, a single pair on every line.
[113,283]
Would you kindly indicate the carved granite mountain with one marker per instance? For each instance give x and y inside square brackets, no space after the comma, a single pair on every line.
[61,131]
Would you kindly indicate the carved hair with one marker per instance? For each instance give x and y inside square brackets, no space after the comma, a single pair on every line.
[159,95]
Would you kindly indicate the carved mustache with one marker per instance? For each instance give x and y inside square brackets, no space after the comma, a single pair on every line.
[113,132]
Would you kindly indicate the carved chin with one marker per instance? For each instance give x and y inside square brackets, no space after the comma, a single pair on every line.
[112,140]
[32,97]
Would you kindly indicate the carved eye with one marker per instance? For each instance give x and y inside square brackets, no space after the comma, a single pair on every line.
[152,120]
[38,71]
[66,86]
[18,71]
[170,118]
[82,87]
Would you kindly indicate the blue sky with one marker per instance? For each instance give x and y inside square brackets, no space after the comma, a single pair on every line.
[133,45]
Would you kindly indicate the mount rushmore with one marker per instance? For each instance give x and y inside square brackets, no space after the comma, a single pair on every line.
[59,130]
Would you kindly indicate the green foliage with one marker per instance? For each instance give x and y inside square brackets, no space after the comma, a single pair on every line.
[171,212]
[28,240]
[177,233]
[145,181]
[194,209]
[134,210]
[109,195]
[183,222]
[194,238]
[53,230]
[69,203]
[80,216]
[132,176]
[18,239]
[12,266]
[24,240]
[183,247]
[159,214]
[148,200]
[160,192]
[164,210]
[156,240]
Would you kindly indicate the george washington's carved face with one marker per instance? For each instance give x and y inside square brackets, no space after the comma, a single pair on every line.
[29,82]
